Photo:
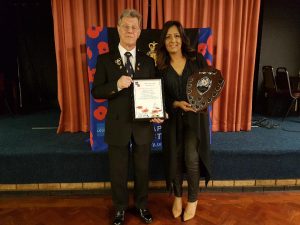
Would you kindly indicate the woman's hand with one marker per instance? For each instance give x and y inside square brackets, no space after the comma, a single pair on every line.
[185,106]
[156,120]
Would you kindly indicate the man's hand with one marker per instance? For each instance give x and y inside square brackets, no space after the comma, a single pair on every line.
[185,106]
[124,82]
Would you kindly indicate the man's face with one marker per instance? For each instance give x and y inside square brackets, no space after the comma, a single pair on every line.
[129,31]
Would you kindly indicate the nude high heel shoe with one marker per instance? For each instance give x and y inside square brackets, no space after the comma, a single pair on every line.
[190,210]
[177,207]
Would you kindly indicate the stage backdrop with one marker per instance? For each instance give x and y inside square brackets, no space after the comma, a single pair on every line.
[100,40]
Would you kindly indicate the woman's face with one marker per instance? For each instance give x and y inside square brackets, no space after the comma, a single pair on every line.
[173,40]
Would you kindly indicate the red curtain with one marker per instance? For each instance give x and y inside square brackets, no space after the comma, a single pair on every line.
[71,20]
[235,28]
[234,25]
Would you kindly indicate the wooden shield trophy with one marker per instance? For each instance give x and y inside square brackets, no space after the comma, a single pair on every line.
[204,87]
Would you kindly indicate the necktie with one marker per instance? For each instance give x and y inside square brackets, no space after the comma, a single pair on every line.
[128,65]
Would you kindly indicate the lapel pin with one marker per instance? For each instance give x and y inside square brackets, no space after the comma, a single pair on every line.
[118,62]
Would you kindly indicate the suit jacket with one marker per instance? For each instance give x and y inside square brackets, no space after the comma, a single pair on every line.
[119,124]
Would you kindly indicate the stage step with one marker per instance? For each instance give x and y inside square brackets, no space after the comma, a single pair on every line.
[41,156]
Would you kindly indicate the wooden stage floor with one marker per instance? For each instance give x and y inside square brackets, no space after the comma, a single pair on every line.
[214,208]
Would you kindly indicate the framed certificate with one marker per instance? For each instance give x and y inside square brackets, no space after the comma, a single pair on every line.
[148,99]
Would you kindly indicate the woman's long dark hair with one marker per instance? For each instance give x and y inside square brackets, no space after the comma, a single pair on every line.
[163,57]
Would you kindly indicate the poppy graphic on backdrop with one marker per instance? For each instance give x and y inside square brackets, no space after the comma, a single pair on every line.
[210,45]
[102,47]
[91,138]
[100,113]
[91,73]
[93,32]
[100,100]
[202,48]
[89,53]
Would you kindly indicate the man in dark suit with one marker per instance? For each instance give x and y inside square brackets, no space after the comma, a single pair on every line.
[114,75]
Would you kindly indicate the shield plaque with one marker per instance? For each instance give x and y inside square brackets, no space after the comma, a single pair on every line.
[204,87]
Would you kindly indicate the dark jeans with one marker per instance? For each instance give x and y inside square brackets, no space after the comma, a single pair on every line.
[187,159]
[118,160]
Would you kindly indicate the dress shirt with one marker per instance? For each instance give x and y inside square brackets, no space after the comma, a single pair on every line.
[132,58]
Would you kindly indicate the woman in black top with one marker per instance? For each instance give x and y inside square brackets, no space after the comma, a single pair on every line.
[186,137]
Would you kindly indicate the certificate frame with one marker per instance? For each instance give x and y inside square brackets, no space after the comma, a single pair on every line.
[148,99]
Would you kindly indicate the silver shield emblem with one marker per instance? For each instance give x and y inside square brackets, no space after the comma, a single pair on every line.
[203,85]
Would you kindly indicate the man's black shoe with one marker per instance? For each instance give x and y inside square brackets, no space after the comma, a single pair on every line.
[119,217]
[145,215]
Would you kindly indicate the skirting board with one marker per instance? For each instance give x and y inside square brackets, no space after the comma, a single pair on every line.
[278,184]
